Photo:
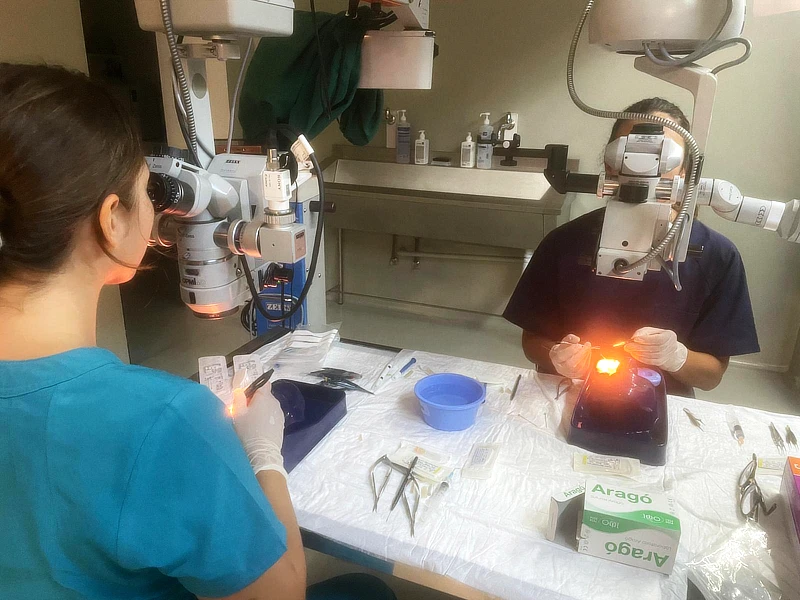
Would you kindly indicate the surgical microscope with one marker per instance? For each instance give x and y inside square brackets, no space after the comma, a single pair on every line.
[243,225]
[638,232]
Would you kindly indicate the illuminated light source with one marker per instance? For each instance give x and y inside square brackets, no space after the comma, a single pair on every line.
[607,366]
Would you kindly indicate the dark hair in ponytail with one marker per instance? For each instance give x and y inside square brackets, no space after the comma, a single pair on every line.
[650,106]
[66,143]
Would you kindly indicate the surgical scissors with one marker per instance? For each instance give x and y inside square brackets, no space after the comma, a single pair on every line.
[376,493]
[409,481]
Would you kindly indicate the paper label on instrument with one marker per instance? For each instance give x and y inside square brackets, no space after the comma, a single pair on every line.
[606,465]
[430,465]
[251,363]
[772,465]
[213,372]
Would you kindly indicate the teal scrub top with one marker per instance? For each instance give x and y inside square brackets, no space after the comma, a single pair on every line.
[122,482]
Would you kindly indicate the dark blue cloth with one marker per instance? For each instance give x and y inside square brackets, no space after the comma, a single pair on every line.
[122,482]
[560,294]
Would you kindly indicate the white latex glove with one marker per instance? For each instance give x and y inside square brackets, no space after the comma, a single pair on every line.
[659,348]
[260,429]
[571,358]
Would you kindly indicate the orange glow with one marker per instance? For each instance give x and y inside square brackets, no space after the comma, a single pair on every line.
[607,366]
[230,409]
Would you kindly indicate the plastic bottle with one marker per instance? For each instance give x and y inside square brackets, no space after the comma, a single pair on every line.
[422,149]
[468,152]
[391,129]
[403,139]
[485,148]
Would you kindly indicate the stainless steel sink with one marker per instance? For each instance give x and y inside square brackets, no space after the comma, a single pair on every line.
[443,181]
[501,208]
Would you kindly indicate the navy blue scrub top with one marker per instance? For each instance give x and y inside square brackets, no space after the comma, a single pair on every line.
[121,482]
[560,294]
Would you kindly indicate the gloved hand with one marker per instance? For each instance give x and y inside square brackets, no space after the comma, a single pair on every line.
[659,348]
[571,358]
[260,429]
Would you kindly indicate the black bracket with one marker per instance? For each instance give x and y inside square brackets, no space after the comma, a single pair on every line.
[556,171]
[330,207]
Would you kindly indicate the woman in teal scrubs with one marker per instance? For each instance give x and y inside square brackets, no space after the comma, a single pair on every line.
[115,481]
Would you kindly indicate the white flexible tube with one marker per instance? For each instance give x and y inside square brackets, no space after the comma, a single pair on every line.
[177,67]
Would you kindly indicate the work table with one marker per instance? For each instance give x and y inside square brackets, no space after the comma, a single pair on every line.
[486,539]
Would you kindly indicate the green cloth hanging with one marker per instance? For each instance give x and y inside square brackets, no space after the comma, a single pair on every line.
[283,83]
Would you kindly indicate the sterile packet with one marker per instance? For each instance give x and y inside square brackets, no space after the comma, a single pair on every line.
[213,373]
[305,350]
[594,464]
[249,362]
[481,461]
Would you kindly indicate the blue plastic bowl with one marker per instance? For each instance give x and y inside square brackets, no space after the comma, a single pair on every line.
[449,402]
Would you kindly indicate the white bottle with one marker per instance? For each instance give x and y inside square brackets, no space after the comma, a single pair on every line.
[391,129]
[422,149]
[485,148]
[468,152]
[404,139]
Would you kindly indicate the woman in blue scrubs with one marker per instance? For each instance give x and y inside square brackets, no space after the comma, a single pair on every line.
[115,481]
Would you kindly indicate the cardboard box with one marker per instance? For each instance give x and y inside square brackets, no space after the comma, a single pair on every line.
[629,526]
[791,491]
[564,510]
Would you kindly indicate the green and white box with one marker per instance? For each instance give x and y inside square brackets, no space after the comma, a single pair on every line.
[629,526]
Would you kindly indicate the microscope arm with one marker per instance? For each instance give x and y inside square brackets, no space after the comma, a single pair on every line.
[729,203]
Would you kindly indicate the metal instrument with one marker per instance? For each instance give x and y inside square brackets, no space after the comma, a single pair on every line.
[516,387]
[777,439]
[331,373]
[409,483]
[344,384]
[408,478]
[257,385]
[383,461]
[791,439]
[412,512]
[751,498]
[694,420]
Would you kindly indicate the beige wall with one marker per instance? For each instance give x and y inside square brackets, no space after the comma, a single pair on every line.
[50,31]
[510,55]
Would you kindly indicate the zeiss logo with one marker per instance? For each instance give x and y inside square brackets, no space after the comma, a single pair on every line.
[231,161]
